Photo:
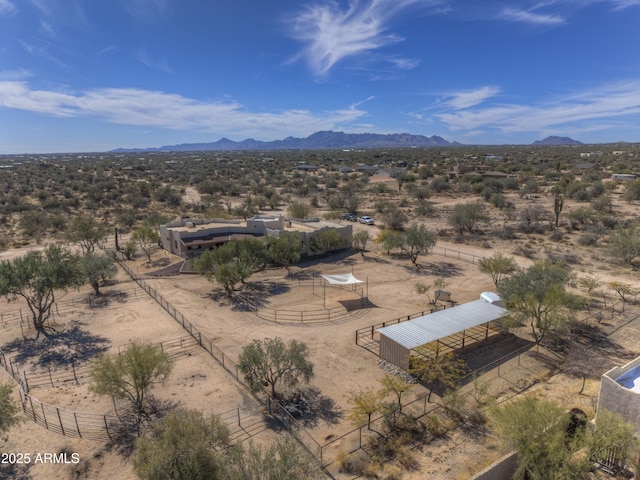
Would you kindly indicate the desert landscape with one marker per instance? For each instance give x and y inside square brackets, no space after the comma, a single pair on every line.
[204,329]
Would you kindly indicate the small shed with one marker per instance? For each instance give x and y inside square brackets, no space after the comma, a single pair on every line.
[452,328]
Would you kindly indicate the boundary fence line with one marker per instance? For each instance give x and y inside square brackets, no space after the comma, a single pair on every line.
[275,409]
[80,374]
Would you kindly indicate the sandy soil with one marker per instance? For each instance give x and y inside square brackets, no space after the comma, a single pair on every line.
[340,365]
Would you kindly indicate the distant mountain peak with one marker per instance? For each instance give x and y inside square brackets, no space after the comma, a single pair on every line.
[326,139]
[553,140]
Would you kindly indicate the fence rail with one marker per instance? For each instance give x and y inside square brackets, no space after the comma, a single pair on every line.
[18,315]
[275,409]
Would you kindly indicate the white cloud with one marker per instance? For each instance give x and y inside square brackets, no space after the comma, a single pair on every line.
[622,4]
[470,98]
[332,34]
[578,111]
[146,9]
[145,59]
[7,8]
[171,111]
[527,16]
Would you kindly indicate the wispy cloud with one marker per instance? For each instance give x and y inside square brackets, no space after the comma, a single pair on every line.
[145,59]
[470,98]
[622,4]
[331,34]
[164,110]
[613,102]
[530,17]
[146,9]
[6,7]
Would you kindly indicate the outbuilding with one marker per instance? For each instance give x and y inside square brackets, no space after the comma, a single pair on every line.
[452,329]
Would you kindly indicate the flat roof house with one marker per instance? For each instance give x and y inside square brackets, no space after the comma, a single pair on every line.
[191,236]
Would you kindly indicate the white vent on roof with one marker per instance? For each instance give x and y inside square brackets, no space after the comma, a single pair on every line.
[492,298]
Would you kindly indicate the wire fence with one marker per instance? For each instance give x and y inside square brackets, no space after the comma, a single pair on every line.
[275,409]
[78,374]
[17,315]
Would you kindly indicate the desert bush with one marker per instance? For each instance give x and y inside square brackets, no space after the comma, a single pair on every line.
[354,464]
[436,426]
[556,235]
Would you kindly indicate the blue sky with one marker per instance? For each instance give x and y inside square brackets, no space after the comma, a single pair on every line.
[93,75]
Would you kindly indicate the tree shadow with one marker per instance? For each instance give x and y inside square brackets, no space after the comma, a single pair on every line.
[319,408]
[63,348]
[16,471]
[250,296]
[436,269]
[374,259]
[125,431]
[105,299]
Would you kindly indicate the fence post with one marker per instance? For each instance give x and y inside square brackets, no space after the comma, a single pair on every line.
[106,426]
[44,416]
[50,377]
[60,419]
[75,417]
[73,366]
[200,338]
[239,418]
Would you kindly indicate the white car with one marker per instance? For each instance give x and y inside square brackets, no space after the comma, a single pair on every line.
[366,220]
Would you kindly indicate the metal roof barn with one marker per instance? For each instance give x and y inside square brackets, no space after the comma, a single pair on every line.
[397,341]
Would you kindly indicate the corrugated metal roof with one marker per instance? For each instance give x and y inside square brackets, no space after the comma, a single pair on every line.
[441,324]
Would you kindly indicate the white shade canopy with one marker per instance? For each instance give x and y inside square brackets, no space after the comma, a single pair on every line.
[344,279]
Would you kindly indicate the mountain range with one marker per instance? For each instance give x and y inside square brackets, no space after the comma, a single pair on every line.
[326,140]
[316,141]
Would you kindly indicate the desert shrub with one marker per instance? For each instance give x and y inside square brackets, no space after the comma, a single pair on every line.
[406,458]
[588,240]
[354,464]
[507,232]
[556,236]
[436,426]
[477,416]
[454,404]
[391,472]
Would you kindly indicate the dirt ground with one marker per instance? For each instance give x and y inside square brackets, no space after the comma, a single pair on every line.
[341,366]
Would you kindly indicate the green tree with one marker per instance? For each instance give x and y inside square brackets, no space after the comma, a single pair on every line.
[418,240]
[395,385]
[365,403]
[624,244]
[422,289]
[438,370]
[230,274]
[37,276]
[299,210]
[360,240]
[613,433]
[185,445]
[147,239]
[131,374]
[98,268]
[498,266]
[537,429]
[327,240]
[394,218]
[283,461]
[465,216]
[86,232]
[390,239]
[8,408]
[271,362]
[537,296]
[285,249]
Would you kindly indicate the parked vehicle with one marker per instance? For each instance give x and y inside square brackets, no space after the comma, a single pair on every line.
[366,220]
[350,216]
